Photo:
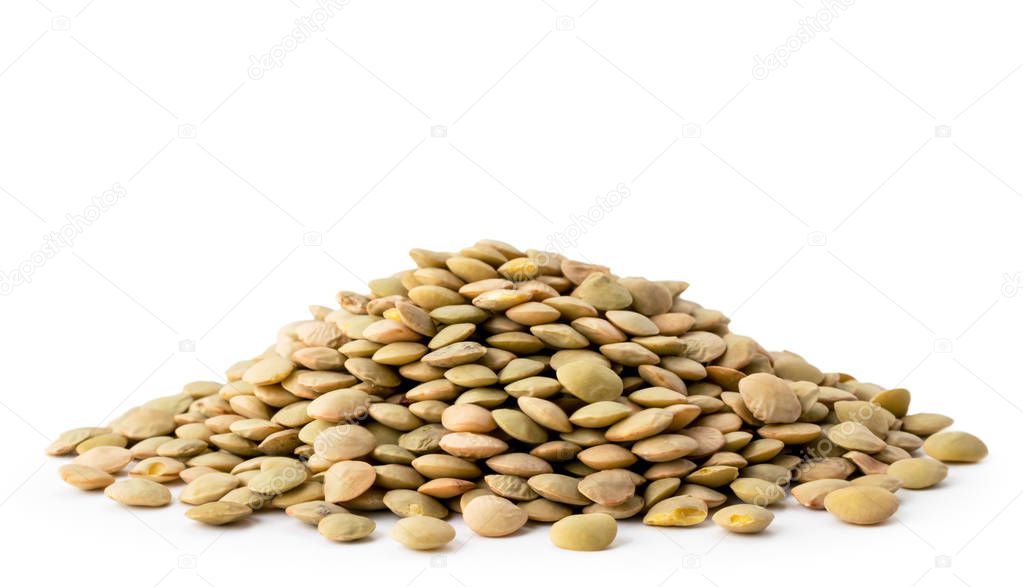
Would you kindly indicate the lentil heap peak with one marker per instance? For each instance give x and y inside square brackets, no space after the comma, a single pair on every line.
[512,386]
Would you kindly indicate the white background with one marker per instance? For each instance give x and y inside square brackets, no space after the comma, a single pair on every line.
[825,208]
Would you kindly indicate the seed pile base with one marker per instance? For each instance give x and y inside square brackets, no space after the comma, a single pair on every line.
[513,386]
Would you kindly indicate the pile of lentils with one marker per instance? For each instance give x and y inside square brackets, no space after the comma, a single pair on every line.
[512,386]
